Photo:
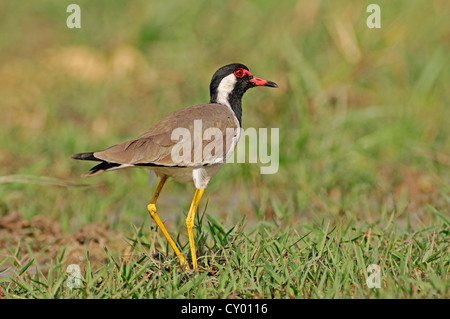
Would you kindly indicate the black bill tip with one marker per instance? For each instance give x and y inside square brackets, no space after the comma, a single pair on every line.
[271,84]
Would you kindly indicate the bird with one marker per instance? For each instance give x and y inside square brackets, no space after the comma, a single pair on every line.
[160,148]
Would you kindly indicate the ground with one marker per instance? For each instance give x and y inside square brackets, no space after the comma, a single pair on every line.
[364,152]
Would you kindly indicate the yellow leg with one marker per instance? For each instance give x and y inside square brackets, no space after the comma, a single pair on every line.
[190,224]
[152,210]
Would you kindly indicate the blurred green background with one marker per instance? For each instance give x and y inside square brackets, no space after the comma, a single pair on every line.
[363,113]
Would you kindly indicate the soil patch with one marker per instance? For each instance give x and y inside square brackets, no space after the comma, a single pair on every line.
[41,238]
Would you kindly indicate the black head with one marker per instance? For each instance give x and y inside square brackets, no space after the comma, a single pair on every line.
[230,82]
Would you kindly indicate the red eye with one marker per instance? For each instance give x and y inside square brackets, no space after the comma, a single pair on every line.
[239,73]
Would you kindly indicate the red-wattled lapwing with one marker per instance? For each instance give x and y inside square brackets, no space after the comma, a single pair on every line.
[155,148]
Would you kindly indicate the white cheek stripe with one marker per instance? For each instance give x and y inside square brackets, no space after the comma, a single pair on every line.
[226,86]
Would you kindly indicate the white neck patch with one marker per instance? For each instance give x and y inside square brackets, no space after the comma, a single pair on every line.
[224,89]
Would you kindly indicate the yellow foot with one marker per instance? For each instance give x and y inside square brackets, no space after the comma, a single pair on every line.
[152,210]
[183,262]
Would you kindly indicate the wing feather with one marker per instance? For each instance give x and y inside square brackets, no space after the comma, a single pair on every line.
[155,146]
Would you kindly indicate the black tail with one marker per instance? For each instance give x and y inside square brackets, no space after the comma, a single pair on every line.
[86,157]
[99,168]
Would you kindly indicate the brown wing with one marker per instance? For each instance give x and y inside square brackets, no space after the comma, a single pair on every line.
[155,146]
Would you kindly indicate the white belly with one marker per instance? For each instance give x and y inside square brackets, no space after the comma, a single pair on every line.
[199,176]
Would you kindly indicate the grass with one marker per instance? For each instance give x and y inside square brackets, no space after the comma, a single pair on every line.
[364,149]
[322,261]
